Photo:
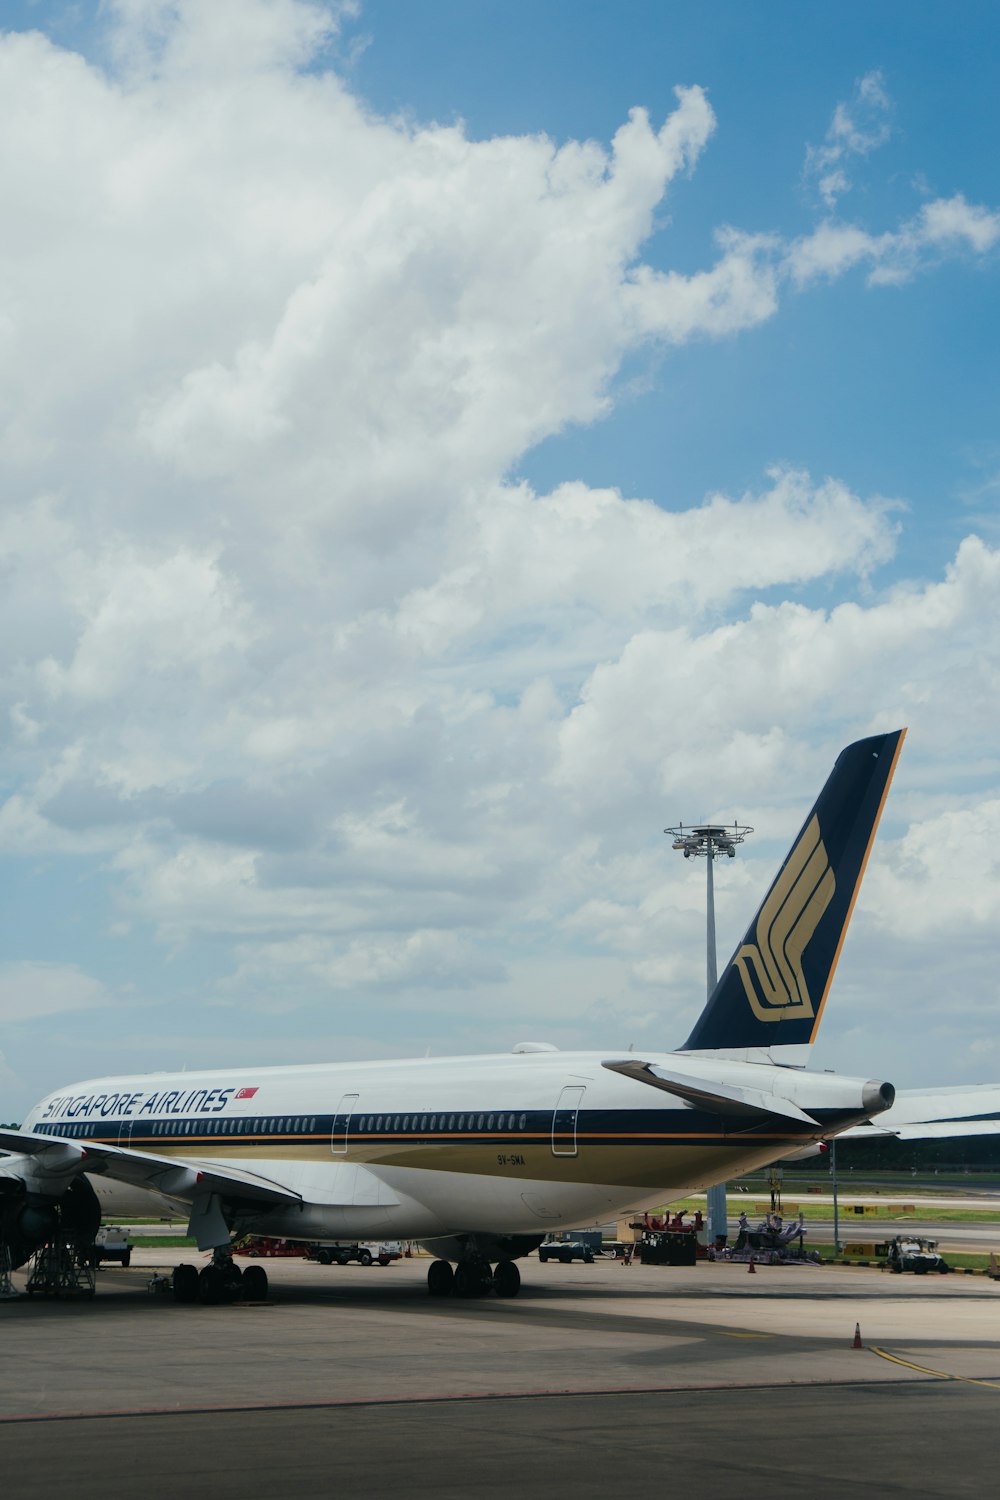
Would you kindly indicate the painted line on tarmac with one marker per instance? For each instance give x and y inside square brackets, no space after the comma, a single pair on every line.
[448,1398]
[993,1385]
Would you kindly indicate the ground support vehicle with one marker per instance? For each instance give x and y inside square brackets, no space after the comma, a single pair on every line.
[670,1240]
[566,1251]
[617,1249]
[772,1243]
[259,1246]
[111,1242]
[911,1252]
[339,1254]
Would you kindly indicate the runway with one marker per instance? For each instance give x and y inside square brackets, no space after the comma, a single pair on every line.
[594,1378]
[977,1239]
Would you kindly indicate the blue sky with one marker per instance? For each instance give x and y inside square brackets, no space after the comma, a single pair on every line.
[574,70]
[367,614]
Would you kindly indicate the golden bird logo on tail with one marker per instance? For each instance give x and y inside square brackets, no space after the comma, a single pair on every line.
[771,969]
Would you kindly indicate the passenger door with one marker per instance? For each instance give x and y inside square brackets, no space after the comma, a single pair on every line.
[564,1118]
[341,1131]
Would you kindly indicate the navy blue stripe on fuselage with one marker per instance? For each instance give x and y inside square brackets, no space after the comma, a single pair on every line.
[514,1127]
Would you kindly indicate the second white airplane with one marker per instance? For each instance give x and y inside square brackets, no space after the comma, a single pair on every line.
[478,1157]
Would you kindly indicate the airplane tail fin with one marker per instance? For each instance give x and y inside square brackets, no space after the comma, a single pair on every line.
[774,988]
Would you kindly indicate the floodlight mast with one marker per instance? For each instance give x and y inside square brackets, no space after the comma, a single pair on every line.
[707,841]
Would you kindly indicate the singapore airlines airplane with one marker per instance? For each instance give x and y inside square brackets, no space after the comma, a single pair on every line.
[478,1157]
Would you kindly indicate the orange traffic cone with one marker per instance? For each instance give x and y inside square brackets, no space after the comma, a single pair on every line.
[751,1268]
[857,1337]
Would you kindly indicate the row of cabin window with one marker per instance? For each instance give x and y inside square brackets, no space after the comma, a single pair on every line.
[395,1123]
[258,1126]
[301,1124]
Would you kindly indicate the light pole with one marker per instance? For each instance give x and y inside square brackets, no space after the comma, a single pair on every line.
[707,841]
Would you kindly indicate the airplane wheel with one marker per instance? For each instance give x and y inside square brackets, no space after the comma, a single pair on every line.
[210,1286]
[506,1279]
[440,1278]
[473,1278]
[254,1284]
[185,1282]
[221,1281]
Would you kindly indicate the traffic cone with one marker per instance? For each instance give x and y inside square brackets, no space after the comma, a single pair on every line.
[857,1337]
[751,1268]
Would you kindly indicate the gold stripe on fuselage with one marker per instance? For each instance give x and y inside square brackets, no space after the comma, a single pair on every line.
[619,1162]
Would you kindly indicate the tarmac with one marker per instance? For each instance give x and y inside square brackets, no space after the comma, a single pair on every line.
[595,1379]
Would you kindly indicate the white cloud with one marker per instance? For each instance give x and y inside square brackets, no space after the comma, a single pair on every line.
[941,877]
[944,226]
[32,991]
[949,221]
[142,619]
[857,129]
[418,959]
[582,552]
[739,291]
[162,37]
[281,638]
[738,696]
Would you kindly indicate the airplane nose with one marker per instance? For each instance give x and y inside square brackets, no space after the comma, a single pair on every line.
[876,1097]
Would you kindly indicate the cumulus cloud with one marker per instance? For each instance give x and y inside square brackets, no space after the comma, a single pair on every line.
[915,655]
[942,875]
[579,550]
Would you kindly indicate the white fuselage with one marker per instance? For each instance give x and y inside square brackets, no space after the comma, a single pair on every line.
[512,1144]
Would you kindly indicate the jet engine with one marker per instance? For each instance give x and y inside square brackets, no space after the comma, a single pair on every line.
[28,1219]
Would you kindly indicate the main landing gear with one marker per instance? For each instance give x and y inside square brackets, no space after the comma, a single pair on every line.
[219,1282]
[473,1277]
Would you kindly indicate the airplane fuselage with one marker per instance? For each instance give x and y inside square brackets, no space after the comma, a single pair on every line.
[513,1144]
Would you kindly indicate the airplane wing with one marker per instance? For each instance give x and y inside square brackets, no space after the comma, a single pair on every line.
[931,1130]
[749,1104]
[936,1114]
[162,1174]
